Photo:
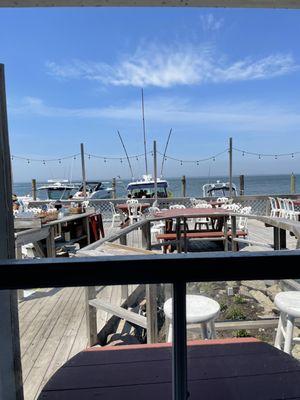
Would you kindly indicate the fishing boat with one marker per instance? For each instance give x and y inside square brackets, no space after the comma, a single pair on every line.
[145,188]
[218,189]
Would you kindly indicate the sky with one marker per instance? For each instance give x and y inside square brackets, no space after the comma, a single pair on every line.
[75,76]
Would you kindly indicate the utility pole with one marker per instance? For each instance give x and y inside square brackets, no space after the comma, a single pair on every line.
[230,167]
[155,169]
[83,170]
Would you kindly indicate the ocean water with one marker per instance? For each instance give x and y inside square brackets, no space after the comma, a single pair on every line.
[262,184]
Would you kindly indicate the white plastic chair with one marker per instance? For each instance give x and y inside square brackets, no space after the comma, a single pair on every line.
[134,212]
[174,206]
[222,200]
[115,215]
[290,210]
[275,210]
[242,222]
[202,221]
[282,208]
[132,201]
[195,201]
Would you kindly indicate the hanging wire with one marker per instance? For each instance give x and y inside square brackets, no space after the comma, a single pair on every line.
[260,155]
[44,160]
[194,161]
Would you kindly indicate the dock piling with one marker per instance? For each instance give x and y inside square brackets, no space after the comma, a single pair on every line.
[293,183]
[183,183]
[242,185]
[113,185]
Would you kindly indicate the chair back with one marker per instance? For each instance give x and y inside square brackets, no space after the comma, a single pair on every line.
[203,205]
[195,201]
[132,201]
[134,209]
[174,206]
[222,200]
[242,222]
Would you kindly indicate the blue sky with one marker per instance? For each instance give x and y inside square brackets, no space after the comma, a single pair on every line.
[75,75]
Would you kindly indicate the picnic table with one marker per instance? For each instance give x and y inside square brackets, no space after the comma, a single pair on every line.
[219,217]
[235,369]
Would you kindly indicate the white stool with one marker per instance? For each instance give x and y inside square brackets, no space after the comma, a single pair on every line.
[199,309]
[289,305]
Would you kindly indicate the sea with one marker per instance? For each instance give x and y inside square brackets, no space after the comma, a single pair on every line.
[254,185]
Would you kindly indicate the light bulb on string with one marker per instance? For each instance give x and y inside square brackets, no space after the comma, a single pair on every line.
[259,157]
[12,158]
[44,162]
[121,161]
[104,160]
[59,161]
[243,154]
[198,163]
[74,157]
[28,161]
[89,156]
[181,163]
[292,155]
[275,156]
[214,159]
[137,159]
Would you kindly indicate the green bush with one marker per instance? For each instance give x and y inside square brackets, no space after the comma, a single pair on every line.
[235,313]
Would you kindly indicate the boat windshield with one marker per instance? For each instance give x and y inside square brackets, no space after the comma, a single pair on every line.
[147,190]
[59,194]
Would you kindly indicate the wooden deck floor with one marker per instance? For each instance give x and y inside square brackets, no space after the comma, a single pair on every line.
[53,329]
[53,325]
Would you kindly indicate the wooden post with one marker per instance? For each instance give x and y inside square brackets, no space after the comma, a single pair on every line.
[10,364]
[151,308]
[91,316]
[233,233]
[242,185]
[279,238]
[183,185]
[113,186]
[146,236]
[50,243]
[293,184]
[230,167]
[33,188]
[123,240]
[225,234]
[83,170]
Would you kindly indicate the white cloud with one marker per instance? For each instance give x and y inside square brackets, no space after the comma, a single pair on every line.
[210,23]
[164,67]
[251,117]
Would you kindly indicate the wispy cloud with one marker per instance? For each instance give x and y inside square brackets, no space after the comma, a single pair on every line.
[164,67]
[253,117]
[210,23]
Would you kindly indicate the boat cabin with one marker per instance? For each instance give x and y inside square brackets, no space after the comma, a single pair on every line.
[59,189]
[145,188]
[218,189]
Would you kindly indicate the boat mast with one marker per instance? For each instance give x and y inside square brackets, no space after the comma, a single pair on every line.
[128,160]
[144,132]
[163,159]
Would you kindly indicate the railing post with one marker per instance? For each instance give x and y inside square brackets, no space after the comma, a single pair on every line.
[10,363]
[91,316]
[233,233]
[242,185]
[293,184]
[123,240]
[113,186]
[146,236]
[151,308]
[183,183]
[33,188]
[179,361]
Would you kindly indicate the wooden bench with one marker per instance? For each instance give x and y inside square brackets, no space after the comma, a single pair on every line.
[168,238]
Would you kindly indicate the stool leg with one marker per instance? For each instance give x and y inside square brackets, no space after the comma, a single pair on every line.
[212,329]
[279,335]
[289,334]
[204,330]
[170,333]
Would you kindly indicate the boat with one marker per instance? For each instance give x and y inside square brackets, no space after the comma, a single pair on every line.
[94,190]
[145,188]
[218,189]
[58,189]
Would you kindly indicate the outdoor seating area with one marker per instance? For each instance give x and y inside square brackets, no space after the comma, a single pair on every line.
[284,208]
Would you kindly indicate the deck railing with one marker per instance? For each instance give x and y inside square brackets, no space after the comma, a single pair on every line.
[177,269]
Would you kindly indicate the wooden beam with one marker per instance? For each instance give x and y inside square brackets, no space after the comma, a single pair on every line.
[10,364]
[151,308]
[154,3]
[120,312]
[91,316]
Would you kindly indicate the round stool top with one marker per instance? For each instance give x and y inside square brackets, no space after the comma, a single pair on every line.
[198,308]
[288,302]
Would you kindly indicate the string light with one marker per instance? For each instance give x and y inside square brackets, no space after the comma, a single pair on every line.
[28,161]
[292,155]
[259,157]
[105,160]
[44,162]
[59,161]
[275,156]
[181,163]
[89,156]
[243,154]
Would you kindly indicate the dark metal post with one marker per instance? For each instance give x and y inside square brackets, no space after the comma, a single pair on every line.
[155,169]
[179,362]
[113,186]
[230,166]
[233,233]
[83,170]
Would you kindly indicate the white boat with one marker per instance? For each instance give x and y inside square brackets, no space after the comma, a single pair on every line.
[218,189]
[59,189]
[145,188]
[94,190]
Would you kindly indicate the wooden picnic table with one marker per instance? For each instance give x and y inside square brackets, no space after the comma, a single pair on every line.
[296,202]
[235,369]
[219,217]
